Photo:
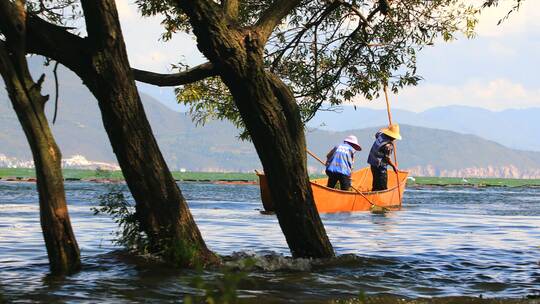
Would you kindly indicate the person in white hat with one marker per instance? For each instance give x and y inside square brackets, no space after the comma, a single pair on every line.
[379,156]
[339,163]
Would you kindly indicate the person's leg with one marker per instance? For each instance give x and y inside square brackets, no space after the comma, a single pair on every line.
[384,180]
[345,182]
[379,179]
[332,179]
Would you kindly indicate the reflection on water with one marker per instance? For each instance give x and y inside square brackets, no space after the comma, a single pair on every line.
[445,242]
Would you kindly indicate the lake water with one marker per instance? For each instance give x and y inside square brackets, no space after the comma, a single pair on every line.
[445,242]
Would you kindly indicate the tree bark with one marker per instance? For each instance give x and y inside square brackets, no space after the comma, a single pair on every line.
[272,118]
[25,95]
[161,208]
[197,73]
[102,63]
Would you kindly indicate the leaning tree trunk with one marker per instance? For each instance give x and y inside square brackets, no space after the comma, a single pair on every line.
[100,60]
[102,63]
[25,95]
[272,119]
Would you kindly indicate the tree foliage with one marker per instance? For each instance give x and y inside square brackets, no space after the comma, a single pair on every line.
[330,52]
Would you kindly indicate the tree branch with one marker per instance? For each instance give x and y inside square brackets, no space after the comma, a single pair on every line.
[194,74]
[357,11]
[273,16]
[55,42]
[296,40]
[55,72]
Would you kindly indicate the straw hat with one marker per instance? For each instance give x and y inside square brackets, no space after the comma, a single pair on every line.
[392,131]
[351,139]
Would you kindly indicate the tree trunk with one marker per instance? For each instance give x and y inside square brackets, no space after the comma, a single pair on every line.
[272,118]
[25,95]
[273,121]
[101,61]
[160,206]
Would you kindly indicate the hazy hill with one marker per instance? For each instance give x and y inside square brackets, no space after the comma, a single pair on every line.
[79,130]
[214,147]
[440,152]
[516,128]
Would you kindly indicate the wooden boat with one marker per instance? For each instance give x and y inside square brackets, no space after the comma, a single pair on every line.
[334,200]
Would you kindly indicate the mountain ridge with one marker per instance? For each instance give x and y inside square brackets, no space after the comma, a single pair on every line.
[215,147]
[514,128]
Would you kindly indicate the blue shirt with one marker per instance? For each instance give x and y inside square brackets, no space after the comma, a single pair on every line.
[380,151]
[341,160]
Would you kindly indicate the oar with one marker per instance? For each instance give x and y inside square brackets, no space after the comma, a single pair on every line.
[397,172]
[357,191]
[393,144]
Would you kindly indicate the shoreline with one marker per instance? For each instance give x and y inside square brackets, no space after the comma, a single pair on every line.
[420,182]
[238,178]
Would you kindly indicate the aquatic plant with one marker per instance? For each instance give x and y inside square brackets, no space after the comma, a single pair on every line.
[224,290]
[132,237]
[182,253]
[129,235]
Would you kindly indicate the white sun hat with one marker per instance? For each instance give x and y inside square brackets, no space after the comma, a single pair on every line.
[353,141]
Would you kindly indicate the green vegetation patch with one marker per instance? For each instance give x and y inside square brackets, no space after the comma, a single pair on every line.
[19,172]
[214,176]
[117,175]
[68,173]
[252,177]
[477,182]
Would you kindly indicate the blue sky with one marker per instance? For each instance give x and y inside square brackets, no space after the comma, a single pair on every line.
[497,70]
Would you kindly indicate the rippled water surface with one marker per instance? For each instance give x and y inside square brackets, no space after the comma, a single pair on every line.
[445,242]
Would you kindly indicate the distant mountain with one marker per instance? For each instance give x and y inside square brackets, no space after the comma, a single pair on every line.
[214,147]
[79,130]
[516,128]
[433,152]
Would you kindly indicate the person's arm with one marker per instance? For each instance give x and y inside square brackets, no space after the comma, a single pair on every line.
[329,155]
[394,167]
[388,149]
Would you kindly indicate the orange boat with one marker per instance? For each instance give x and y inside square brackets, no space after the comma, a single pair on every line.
[334,200]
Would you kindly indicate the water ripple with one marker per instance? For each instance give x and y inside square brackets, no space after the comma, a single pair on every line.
[445,242]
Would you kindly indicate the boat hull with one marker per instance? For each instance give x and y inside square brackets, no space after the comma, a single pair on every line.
[330,200]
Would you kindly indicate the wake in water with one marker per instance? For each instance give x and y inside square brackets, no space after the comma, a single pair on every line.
[273,261]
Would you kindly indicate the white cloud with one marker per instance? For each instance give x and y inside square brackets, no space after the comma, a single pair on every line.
[497,44]
[125,10]
[485,72]
[497,94]
[524,21]
[500,49]
[145,49]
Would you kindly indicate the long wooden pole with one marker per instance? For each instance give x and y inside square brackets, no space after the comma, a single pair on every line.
[393,144]
[357,191]
[316,157]
[387,105]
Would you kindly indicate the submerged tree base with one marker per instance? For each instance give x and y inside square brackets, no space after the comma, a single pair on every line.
[131,237]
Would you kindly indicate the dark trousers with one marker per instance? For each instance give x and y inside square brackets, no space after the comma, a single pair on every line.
[380,178]
[344,180]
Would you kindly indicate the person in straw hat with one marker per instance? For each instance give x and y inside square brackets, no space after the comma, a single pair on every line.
[379,156]
[339,163]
